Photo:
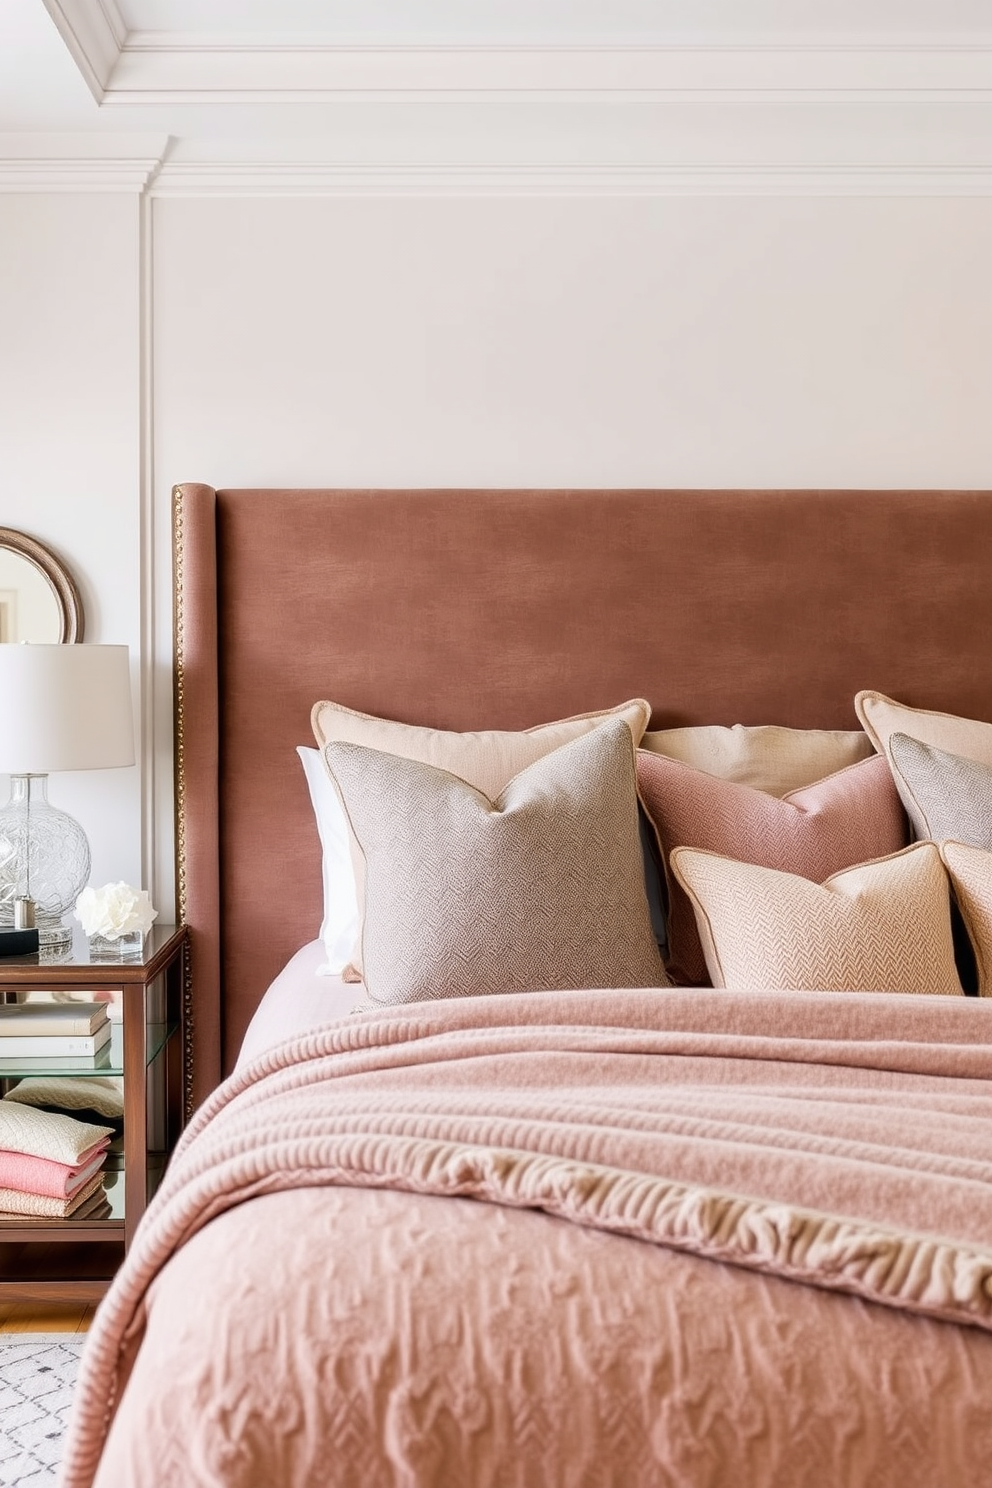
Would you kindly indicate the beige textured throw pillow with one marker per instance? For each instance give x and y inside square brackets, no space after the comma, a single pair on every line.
[970,869]
[765,757]
[541,887]
[882,717]
[488,759]
[883,926]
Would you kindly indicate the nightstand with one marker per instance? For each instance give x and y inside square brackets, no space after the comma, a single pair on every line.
[70,1260]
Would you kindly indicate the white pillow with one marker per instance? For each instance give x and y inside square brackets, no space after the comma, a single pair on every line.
[340,924]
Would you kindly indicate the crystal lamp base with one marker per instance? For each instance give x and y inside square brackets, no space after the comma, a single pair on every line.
[54,938]
[44,856]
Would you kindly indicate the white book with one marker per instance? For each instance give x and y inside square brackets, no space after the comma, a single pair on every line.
[52,1045]
[66,1019]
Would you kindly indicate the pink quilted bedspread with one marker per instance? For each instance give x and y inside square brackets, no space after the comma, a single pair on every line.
[358,1322]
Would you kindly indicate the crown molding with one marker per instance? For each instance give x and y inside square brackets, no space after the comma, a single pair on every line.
[79,162]
[152,67]
[155,71]
[196,179]
[95,34]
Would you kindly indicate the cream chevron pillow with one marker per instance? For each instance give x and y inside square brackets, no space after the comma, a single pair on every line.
[970,869]
[541,887]
[883,926]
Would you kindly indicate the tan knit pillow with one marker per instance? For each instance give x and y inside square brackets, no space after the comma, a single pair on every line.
[542,887]
[766,757]
[970,869]
[883,926]
[488,759]
[882,717]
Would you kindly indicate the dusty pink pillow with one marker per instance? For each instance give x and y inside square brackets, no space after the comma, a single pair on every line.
[844,819]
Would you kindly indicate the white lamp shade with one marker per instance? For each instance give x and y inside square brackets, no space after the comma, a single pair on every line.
[64,707]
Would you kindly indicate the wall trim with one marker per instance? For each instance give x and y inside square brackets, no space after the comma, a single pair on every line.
[195,179]
[136,67]
[154,68]
[95,34]
[79,162]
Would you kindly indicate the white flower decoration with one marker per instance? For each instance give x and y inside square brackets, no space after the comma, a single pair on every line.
[115,910]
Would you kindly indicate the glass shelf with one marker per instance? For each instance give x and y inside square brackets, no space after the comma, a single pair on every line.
[107,1061]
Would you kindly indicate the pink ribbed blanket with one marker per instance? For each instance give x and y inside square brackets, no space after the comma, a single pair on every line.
[839,1140]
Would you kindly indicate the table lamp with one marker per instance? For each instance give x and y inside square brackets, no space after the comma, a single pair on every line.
[62,707]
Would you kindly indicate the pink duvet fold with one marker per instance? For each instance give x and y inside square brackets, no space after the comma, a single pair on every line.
[841,1140]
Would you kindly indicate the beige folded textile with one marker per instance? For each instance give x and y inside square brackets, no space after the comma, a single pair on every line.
[60,1139]
[13,1201]
[840,1140]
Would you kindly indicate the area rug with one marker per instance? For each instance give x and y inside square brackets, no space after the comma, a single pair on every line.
[37,1375]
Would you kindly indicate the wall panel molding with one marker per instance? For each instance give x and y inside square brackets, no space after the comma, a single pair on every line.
[195,179]
[79,162]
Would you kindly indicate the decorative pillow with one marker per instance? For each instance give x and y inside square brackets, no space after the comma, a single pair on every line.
[767,758]
[877,927]
[541,887]
[965,736]
[970,869]
[844,819]
[340,924]
[488,760]
[949,795]
[102,1094]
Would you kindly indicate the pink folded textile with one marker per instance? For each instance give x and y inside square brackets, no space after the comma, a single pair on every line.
[37,1175]
[12,1201]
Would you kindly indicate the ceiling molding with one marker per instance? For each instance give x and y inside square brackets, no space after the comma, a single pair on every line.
[79,162]
[195,179]
[199,73]
[158,67]
[95,34]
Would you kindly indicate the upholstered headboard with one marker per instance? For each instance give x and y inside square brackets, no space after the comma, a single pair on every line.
[482,609]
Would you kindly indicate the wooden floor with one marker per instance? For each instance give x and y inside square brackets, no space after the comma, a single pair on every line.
[42,1317]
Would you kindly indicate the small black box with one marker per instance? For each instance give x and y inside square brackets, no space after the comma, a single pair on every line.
[18,942]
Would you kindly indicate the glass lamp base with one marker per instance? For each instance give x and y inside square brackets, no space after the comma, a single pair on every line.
[54,938]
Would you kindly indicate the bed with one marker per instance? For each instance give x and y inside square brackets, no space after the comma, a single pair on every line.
[609,1233]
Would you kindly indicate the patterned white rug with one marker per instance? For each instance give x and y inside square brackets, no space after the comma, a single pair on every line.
[37,1374]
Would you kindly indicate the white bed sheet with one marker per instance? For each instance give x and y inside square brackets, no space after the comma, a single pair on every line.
[297,1001]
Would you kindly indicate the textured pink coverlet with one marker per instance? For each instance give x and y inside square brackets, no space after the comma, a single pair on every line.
[835,1139]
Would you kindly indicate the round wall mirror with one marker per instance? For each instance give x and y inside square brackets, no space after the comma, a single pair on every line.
[39,600]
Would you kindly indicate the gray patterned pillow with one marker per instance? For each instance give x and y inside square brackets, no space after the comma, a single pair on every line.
[542,888]
[950,796]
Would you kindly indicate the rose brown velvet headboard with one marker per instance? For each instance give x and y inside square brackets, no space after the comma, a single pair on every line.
[483,609]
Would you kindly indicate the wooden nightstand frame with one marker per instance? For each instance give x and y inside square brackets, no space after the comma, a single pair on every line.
[69,1260]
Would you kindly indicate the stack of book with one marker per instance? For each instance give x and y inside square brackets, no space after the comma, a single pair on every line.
[64,1031]
[51,1166]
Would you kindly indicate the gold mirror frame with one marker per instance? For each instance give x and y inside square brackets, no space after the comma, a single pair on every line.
[57,576]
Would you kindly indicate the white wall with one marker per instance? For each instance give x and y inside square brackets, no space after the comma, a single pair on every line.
[69,444]
[600,341]
[585,341]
